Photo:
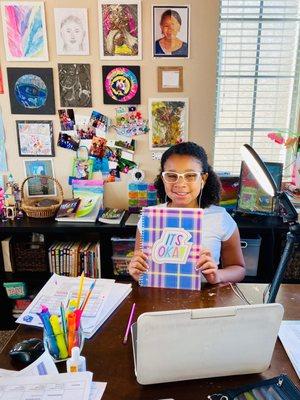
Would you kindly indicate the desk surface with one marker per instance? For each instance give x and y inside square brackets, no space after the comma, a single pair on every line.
[112,362]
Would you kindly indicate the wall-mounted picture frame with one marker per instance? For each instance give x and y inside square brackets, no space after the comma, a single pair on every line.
[24,30]
[39,186]
[75,85]
[121,84]
[71,29]
[35,138]
[120,29]
[171,31]
[170,79]
[31,90]
[168,122]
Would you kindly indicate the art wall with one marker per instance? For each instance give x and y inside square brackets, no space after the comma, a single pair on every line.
[199,72]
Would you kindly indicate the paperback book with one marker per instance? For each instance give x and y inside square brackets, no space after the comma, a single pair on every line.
[171,239]
[112,216]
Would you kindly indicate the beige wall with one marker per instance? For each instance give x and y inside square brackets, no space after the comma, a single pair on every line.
[199,87]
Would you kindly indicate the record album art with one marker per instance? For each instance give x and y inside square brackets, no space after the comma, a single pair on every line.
[31,90]
[121,84]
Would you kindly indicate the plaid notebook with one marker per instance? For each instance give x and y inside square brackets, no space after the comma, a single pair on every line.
[171,238]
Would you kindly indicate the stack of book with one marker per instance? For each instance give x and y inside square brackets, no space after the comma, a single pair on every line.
[71,258]
[111,216]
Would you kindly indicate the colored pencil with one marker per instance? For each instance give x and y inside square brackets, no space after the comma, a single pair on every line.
[82,307]
[129,323]
[80,289]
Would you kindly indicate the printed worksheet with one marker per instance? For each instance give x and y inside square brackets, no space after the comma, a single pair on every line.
[69,386]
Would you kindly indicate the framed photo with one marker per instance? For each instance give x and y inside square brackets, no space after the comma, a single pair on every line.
[35,138]
[24,30]
[71,28]
[170,79]
[120,29]
[75,85]
[171,31]
[39,186]
[121,84]
[31,90]
[168,122]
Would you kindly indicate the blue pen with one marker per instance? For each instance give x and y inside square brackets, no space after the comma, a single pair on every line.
[49,332]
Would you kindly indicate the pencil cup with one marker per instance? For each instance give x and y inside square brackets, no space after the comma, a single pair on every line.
[60,345]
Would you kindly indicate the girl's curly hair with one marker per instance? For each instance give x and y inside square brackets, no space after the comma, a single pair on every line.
[211,192]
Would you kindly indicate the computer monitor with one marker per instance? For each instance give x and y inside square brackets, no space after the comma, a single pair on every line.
[252,199]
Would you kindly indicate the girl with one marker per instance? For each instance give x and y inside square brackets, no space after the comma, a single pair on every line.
[187,180]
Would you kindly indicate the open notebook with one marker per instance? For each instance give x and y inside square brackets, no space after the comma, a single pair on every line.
[171,238]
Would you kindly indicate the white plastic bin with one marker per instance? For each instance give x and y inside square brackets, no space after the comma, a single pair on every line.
[251,247]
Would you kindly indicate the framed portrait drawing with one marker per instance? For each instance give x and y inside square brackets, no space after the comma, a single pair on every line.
[121,84]
[168,122]
[170,79]
[39,186]
[71,28]
[24,30]
[120,29]
[35,138]
[31,90]
[171,31]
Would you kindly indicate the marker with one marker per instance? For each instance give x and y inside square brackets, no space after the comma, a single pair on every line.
[60,340]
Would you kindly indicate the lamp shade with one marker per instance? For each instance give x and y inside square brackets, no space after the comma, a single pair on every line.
[259,170]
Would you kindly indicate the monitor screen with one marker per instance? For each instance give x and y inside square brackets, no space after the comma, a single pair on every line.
[252,198]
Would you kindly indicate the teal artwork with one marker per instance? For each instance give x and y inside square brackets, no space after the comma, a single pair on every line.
[3,162]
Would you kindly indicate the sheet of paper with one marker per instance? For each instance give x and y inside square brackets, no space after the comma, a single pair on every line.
[61,288]
[44,365]
[289,334]
[97,390]
[75,386]
[170,79]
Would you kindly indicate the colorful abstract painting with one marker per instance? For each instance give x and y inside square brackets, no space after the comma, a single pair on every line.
[24,30]
[120,29]
[121,84]
[1,83]
[3,161]
[168,122]
[35,138]
[31,90]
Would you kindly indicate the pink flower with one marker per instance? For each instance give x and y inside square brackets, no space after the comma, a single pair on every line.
[276,137]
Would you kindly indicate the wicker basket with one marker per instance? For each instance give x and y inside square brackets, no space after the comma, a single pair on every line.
[29,204]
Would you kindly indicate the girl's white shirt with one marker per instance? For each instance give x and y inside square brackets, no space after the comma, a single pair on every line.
[218,226]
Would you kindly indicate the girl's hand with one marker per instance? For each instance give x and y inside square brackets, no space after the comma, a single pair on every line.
[138,265]
[208,267]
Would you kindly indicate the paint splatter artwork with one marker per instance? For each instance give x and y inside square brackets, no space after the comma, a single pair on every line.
[24,31]
[121,85]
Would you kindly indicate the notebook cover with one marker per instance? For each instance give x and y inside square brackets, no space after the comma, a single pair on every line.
[171,239]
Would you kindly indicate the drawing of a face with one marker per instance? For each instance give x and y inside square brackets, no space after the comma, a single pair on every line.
[72,34]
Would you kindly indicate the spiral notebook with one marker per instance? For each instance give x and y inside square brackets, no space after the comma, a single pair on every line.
[171,239]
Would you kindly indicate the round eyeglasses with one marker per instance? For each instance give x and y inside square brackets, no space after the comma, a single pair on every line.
[173,177]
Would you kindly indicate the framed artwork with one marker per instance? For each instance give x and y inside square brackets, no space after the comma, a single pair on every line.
[24,30]
[31,90]
[170,79]
[39,186]
[171,31]
[168,122]
[71,29]
[35,138]
[75,85]
[120,29]
[121,84]
[1,82]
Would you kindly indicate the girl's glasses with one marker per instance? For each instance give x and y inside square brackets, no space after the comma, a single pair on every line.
[173,177]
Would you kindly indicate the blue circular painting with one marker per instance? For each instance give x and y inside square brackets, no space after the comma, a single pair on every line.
[31,91]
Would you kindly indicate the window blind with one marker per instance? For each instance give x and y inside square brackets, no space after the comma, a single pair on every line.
[257,88]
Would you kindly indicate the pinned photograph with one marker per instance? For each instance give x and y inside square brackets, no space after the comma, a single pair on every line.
[24,30]
[67,119]
[120,29]
[31,90]
[75,85]
[171,31]
[35,138]
[168,122]
[40,186]
[71,28]
[68,140]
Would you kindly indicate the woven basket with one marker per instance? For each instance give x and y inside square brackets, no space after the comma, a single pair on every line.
[29,204]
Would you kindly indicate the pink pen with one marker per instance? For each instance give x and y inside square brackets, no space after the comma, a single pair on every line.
[129,323]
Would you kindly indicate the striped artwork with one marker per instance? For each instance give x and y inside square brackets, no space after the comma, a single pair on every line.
[171,239]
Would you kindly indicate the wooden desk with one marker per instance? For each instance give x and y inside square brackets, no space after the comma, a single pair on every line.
[112,362]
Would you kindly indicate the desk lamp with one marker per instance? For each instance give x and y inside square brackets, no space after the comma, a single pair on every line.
[286,210]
